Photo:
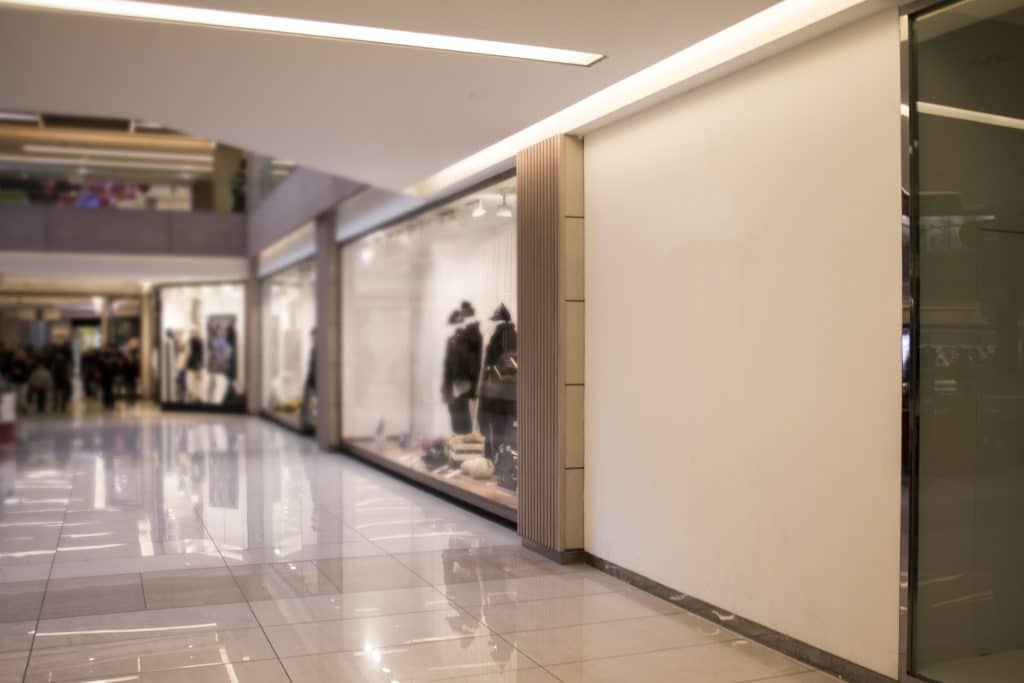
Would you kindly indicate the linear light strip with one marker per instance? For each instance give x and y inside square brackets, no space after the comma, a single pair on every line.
[117,153]
[756,31]
[101,163]
[948,112]
[199,16]
[15,116]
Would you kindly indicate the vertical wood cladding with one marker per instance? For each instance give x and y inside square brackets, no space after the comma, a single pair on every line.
[540,471]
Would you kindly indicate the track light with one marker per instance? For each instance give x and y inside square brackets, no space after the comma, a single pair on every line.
[503,210]
[366,255]
[479,211]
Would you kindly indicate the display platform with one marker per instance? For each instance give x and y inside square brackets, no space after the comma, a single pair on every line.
[482,493]
[289,420]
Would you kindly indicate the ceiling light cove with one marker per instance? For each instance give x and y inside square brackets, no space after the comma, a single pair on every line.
[199,16]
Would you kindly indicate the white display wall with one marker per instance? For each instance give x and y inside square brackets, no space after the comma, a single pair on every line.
[288,320]
[202,344]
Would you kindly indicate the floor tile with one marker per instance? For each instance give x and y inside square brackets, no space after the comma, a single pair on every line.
[321,551]
[430,661]
[349,605]
[93,595]
[242,672]
[103,628]
[730,662]
[573,611]
[190,587]
[617,638]
[281,580]
[129,565]
[355,574]
[461,564]
[583,582]
[12,666]
[349,635]
[153,653]
[819,677]
[16,635]
[514,676]
[21,600]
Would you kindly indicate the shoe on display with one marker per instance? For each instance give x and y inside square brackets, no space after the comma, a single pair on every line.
[478,467]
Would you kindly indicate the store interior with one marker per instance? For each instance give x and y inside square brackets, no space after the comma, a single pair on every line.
[429,346]
[288,353]
[202,345]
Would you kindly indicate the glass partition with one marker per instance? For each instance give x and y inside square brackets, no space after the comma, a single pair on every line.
[429,336]
[968,119]
[288,360]
[202,348]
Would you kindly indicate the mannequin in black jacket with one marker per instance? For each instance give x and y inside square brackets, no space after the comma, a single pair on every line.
[498,391]
[458,407]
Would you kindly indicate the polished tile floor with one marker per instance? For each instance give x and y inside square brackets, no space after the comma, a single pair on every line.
[161,548]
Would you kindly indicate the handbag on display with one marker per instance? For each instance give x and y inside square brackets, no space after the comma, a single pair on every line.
[500,378]
[506,467]
[478,467]
[463,447]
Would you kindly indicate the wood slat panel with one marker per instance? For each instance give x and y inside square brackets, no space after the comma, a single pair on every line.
[540,469]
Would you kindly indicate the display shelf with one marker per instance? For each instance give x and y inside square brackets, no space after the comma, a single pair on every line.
[484,493]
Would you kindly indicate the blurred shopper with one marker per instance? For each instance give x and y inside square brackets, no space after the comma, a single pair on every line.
[61,370]
[40,383]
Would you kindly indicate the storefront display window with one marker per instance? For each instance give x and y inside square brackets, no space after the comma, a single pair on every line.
[967,553]
[202,347]
[288,305]
[429,362]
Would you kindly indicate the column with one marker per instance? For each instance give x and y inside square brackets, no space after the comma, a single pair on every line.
[253,340]
[551,346]
[146,343]
[328,333]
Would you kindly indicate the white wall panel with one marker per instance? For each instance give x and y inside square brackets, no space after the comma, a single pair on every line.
[743,342]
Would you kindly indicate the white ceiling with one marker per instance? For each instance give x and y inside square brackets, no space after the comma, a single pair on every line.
[386,116]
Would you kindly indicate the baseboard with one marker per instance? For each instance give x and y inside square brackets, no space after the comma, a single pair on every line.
[559,556]
[797,649]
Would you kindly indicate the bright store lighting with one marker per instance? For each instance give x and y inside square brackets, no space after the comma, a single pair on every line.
[366,255]
[503,210]
[101,163]
[479,211]
[117,153]
[200,16]
[970,115]
[768,26]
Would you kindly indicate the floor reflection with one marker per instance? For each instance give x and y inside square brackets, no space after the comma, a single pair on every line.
[153,547]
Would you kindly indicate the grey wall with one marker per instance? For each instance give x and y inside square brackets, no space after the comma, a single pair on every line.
[300,198]
[113,231]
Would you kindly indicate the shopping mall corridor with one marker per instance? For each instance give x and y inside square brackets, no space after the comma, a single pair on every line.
[161,548]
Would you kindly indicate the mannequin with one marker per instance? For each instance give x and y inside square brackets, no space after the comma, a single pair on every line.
[469,354]
[497,413]
[457,408]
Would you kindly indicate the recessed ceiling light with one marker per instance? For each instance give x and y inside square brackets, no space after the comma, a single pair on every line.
[201,16]
[117,153]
